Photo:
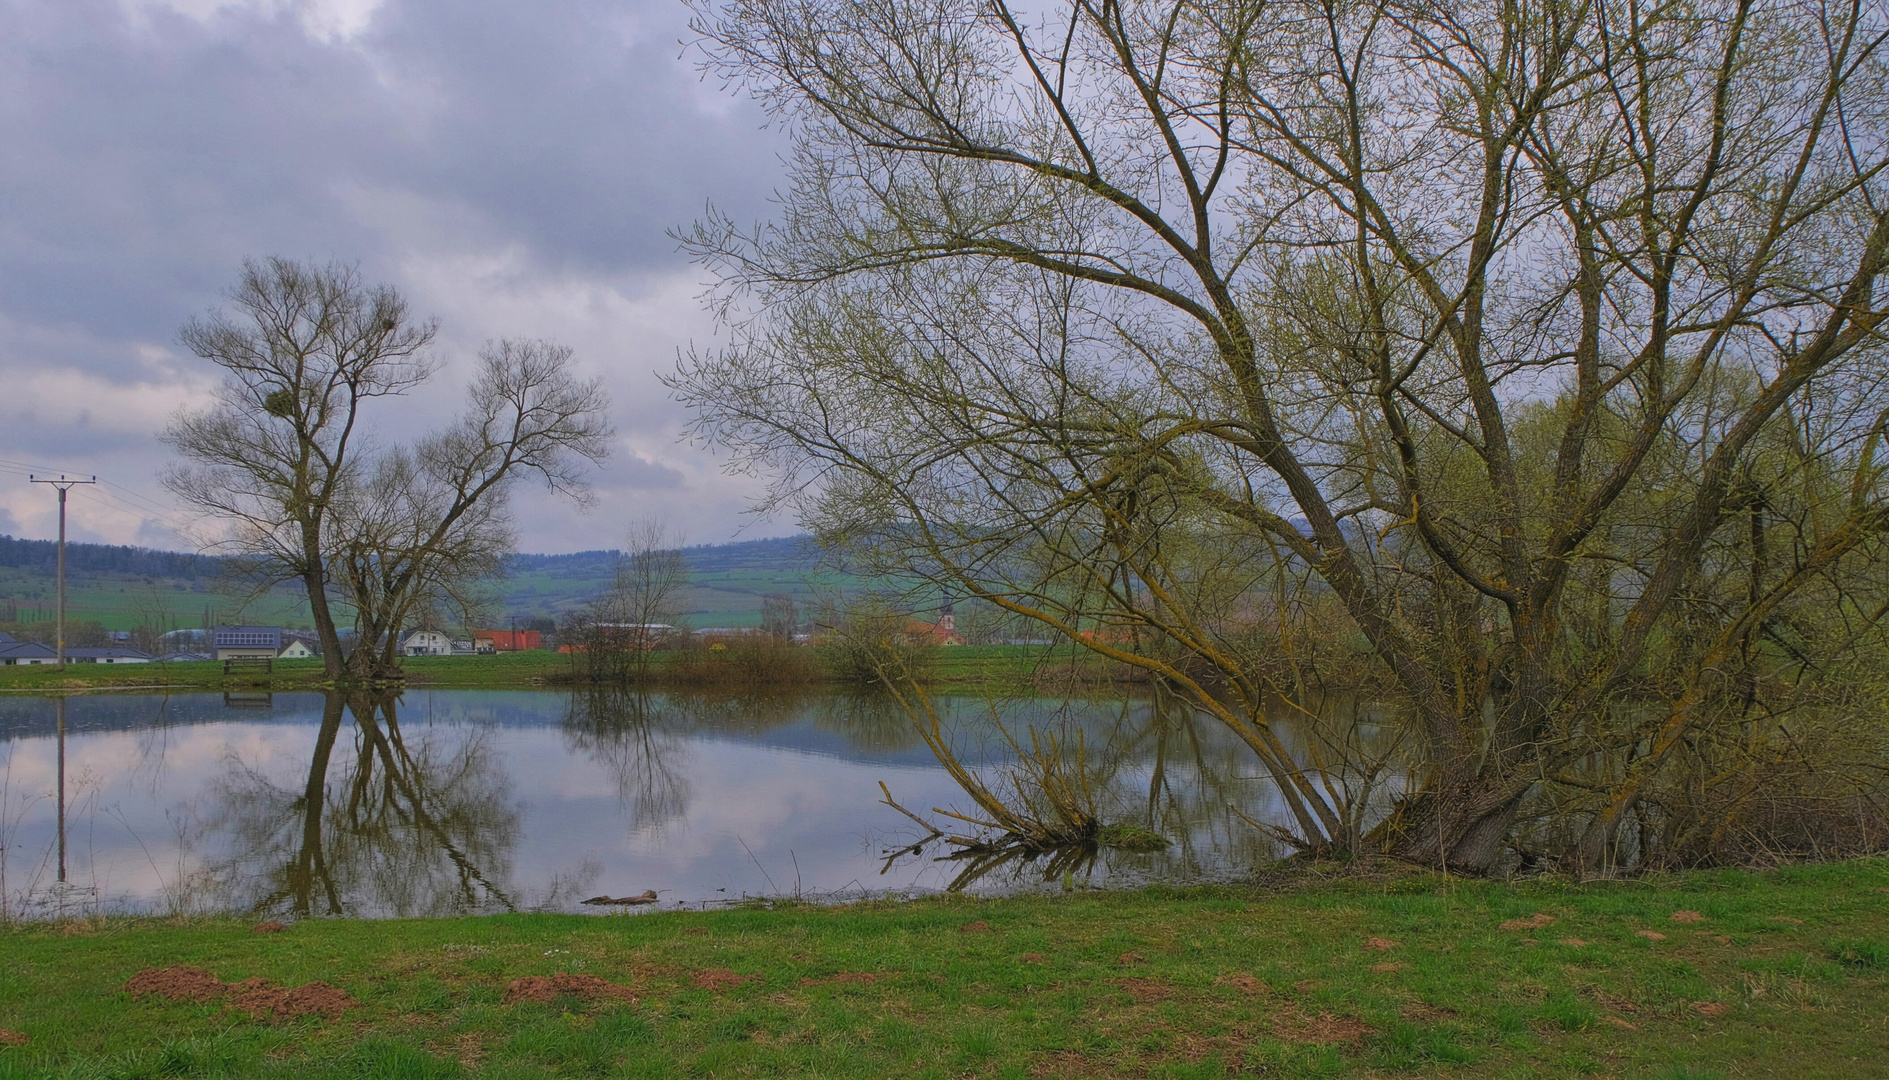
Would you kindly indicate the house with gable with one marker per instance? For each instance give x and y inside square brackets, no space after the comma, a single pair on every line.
[426,643]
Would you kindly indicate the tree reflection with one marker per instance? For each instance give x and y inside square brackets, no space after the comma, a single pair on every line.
[642,739]
[383,823]
[1149,760]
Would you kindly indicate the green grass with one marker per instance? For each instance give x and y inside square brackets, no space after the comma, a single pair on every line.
[1230,981]
[958,669]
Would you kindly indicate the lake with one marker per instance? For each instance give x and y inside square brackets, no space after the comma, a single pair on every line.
[443,802]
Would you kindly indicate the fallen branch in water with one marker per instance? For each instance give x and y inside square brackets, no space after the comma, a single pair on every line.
[893,803]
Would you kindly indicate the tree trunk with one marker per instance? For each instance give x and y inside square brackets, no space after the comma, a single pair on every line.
[1456,823]
[315,580]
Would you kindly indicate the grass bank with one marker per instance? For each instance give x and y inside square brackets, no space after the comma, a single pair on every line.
[1720,974]
[963,668]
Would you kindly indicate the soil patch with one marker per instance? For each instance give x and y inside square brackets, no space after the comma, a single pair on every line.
[1619,1023]
[1032,958]
[718,979]
[258,997]
[1422,1012]
[1388,966]
[261,1000]
[546,989]
[1650,935]
[270,927]
[1687,916]
[1711,1008]
[978,927]
[1130,959]
[1146,991]
[1534,922]
[847,978]
[1378,944]
[11,1038]
[1323,1029]
[177,983]
[1245,984]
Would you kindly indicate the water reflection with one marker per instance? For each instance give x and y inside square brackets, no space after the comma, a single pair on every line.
[379,823]
[446,802]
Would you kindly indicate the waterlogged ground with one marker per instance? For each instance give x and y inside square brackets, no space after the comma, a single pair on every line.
[449,802]
[1707,976]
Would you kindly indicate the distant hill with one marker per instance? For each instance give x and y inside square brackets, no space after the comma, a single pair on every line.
[119,585]
[43,555]
[726,581]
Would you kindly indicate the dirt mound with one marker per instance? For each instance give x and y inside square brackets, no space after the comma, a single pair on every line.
[177,983]
[270,927]
[1032,958]
[718,979]
[1650,935]
[1323,1030]
[1712,1008]
[11,1038]
[1687,916]
[258,997]
[1378,944]
[1130,959]
[978,927]
[548,988]
[1388,966]
[1534,922]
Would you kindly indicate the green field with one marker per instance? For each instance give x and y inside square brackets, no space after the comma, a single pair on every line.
[1715,974]
[957,668]
[726,585]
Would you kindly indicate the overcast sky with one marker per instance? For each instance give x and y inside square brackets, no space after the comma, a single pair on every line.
[512,166]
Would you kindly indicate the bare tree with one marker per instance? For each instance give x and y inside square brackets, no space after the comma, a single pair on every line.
[302,348]
[626,621]
[780,616]
[432,523]
[1540,340]
[278,461]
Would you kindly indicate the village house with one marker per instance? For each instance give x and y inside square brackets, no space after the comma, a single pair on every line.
[113,654]
[23,653]
[426,643]
[498,641]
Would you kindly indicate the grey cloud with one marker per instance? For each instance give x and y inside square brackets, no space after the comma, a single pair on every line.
[150,151]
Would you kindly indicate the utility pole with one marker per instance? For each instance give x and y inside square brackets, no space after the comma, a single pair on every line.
[64,484]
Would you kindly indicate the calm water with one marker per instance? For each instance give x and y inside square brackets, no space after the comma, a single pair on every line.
[462,801]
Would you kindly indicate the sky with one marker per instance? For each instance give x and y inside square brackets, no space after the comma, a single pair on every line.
[513,167]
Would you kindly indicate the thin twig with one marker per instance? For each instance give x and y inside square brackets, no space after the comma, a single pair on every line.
[922,823]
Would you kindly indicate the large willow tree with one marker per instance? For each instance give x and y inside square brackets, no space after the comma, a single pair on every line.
[1537,339]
